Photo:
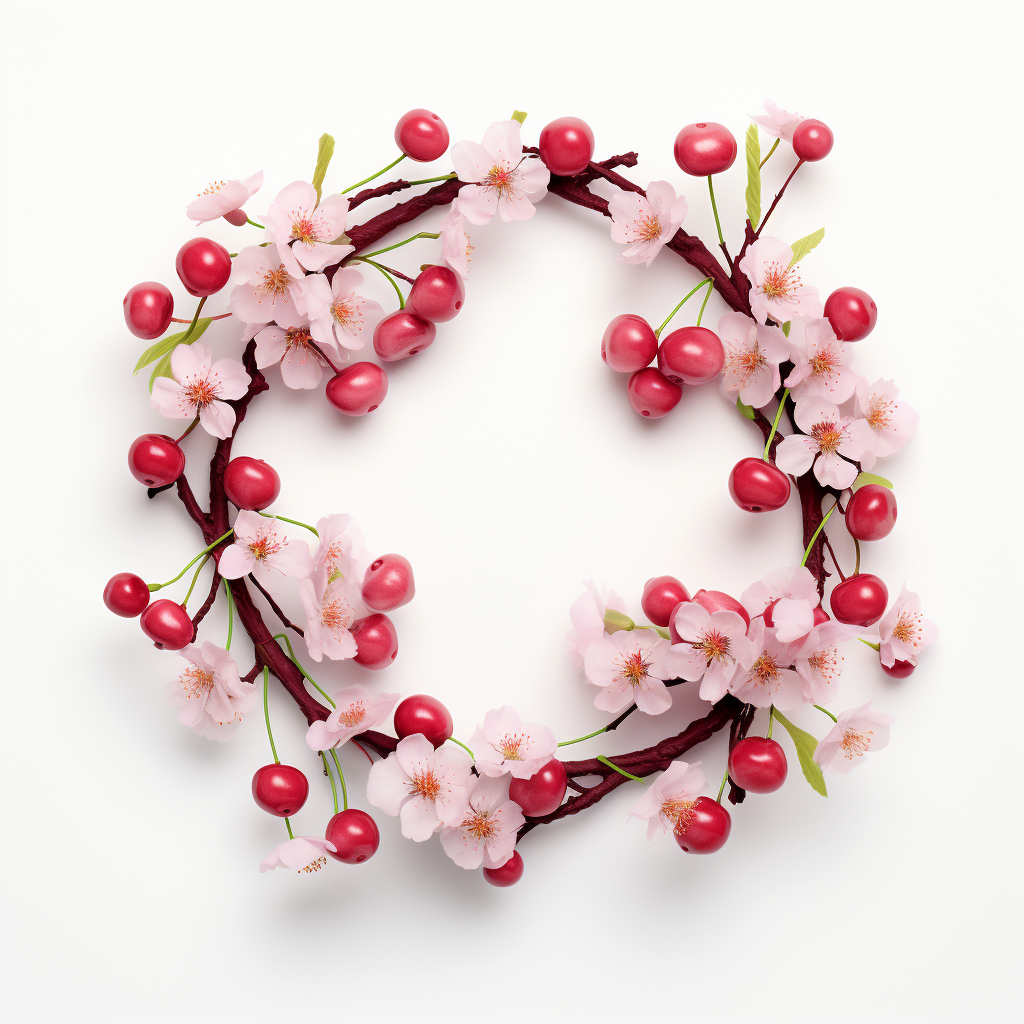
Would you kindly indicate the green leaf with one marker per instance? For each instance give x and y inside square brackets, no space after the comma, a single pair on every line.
[746,410]
[614,621]
[168,344]
[786,327]
[162,369]
[519,115]
[802,246]
[870,478]
[753,176]
[323,158]
[662,632]
[805,745]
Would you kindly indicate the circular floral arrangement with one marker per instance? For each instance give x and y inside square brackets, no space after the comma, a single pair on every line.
[296,294]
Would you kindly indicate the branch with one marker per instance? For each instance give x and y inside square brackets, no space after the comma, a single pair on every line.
[274,607]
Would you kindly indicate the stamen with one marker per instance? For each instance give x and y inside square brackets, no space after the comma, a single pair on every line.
[426,784]
[856,744]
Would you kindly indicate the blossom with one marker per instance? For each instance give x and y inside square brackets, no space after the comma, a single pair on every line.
[303,853]
[486,836]
[355,711]
[200,386]
[329,619]
[210,693]
[818,661]
[305,231]
[646,223]
[826,437]
[776,289]
[261,545]
[501,179]
[770,677]
[713,646]
[455,244]
[292,347]
[820,365]
[667,803]
[425,788]
[587,616]
[778,122]
[338,313]
[794,592]
[752,356]
[630,666]
[223,197]
[892,422]
[341,554]
[505,743]
[903,630]
[855,733]
[269,290]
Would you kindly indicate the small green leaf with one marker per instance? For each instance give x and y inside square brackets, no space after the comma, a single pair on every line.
[662,632]
[168,344]
[786,327]
[805,745]
[323,158]
[802,246]
[614,621]
[870,478]
[162,369]
[519,115]
[753,177]
[746,410]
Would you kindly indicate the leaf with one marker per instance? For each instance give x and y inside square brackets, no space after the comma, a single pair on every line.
[323,158]
[746,410]
[870,478]
[162,369]
[168,344]
[786,327]
[753,177]
[805,745]
[614,621]
[662,632]
[802,246]
[519,115]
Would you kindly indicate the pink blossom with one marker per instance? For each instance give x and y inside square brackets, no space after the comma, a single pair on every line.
[713,647]
[305,231]
[770,677]
[338,314]
[818,661]
[223,197]
[646,223]
[329,619]
[821,365]
[292,347]
[502,179]
[826,438]
[355,710]
[505,743]
[587,616]
[486,836]
[630,666]
[778,122]
[795,592]
[891,421]
[667,803]
[856,732]
[776,288]
[455,244]
[341,555]
[269,291]
[903,630]
[305,854]
[752,356]
[201,387]
[210,693]
[260,545]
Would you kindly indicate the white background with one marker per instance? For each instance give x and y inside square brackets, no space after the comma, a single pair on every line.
[507,465]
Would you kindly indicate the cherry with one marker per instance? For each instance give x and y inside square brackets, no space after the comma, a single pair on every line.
[236,218]
[652,394]
[691,355]
[899,669]
[280,789]
[426,715]
[629,343]
[508,874]
[758,765]
[705,148]
[358,389]
[812,140]
[542,792]
[566,146]
[251,483]
[707,827]
[126,594]
[871,513]
[851,312]
[203,266]
[354,834]
[715,601]
[662,595]
[167,624]
[758,486]
[421,135]
[402,334]
[436,295]
[388,583]
[148,308]
[859,600]
[376,641]
[156,460]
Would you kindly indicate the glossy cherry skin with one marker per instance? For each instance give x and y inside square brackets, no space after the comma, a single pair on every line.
[705,148]
[899,669]
[236,218]
[629,343]
[661,597]
[251,483]
[652,394]
[708,828]
[871,513]
[851,312]
[542,792]
[148,308]
[859,600]
[126,594]
[156,460]
[437,295]
[715,601]
[508,874]
[402,334]
[280,789]
[167,624]
[691,355]
[758,765]
[421,135]
[358,389]
[566,146]
[812,140]
[203,266]
[758,486]
[423,714]
[354,834]
[388,583]
[376,641]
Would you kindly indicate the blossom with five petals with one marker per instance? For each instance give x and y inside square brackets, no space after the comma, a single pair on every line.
[268,292]
[355,710]
[210,692]
[776,288]
[646,223]
[854,734]
[338,314]
[486,836]
[770,677]
[752,356]
[631,666]
[260,545]
[903,630]
[827,437]
[821,364]
[818,662]
[341,555]
[713,646]
[505,743]
[292,347]
[305,230]
[667,803]
[223,197]
[892,421]
[329,619]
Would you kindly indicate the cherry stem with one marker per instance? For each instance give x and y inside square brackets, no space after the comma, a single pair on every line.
[463,745]
[154,587]
[222,316]
[383,170]
[325,357]
[388,248]
[249,220]
[427,181]
[288,824]
[394,283]
[775,423]
[190,330]
[341,779]
[718,223]
[192,426]
[231,614]
[689,294]
[856,567]
[270,732]
[775,146]
[874,647]
[824,711]
[621,771]
[721,788]
[195,576]
[294,522]
[306,675]
[771,721]
[814,536]
[700,315]
[327,772]
[835,561]
[775,201]
[580,739]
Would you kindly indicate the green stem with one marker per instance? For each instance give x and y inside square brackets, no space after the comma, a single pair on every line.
[394,283]
[294,522]
[305,674]
[192,326]
[249,220]
[231,613]
[463,745]
[689,294]
[580,739]
[775,146]
[856,544]
[401,157]
[721,788]
[192,426]
[440,177]
[826,712]
[775,422]
[266,715]
[771,721]
[874,647]
[700,315]
[388,248]
[288,825]
[334,789]
[814,537]
[621,771]
[714,206]
[154,587]
[341,779]
[195,576]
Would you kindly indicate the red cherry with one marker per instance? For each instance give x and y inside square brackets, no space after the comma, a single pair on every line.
[388,583]
[706,828]
[715,601]
[421,135]
[426,715]
[148,308]
[812,140]
[705,148]
[126,594]
[859,600]
[436,295]
[203,266]
[542,792]
[758,486]
[167,624]
[156,460]
[566,146]
[354,834]
[691,355]
[251,483]
[851,312]
[871,513]
[402,334]
[662,595]
[280,789]
[629,343]
[758,765]
[236,218]
[358,389]
[508,874]
[652,394]
[376,641]
[899,669]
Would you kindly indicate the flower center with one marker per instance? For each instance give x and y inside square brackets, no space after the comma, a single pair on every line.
[511,746]
[336,615]
[500,179]
[907,629]
[348,313]
[647,228]
[765,670]
[880,412]
[678,812]
[353,714]
[481,825]
[275,282]
[826,663]
[824,363]
[263,546]
[200,391]
[213,188]
[633,668]
[779,282]
[714,646]
[747,362]
[304,229]
[196,682]
[426,784]
[315,865]
[856,744]
[829,435]
[334,554]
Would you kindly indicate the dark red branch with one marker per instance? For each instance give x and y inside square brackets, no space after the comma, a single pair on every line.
[274,606]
